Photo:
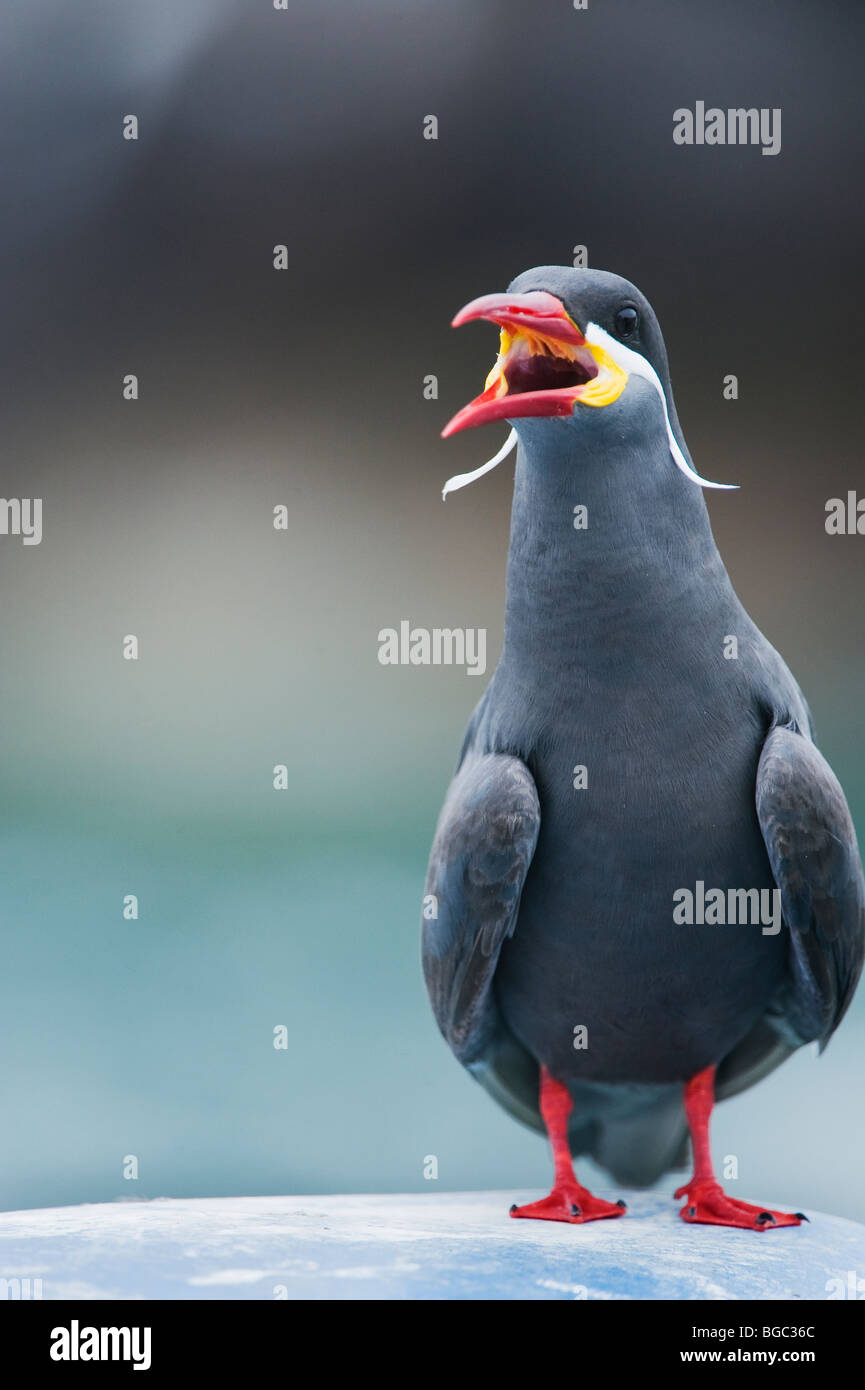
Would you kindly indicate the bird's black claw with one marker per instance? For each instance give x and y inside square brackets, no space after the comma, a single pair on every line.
[764,1217]
[622,1204]
[513,1206]
[575,1211]
[802,1217]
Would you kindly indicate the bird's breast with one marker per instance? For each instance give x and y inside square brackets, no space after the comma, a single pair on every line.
[636,815]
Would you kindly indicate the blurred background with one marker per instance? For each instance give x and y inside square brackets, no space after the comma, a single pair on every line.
[304,388]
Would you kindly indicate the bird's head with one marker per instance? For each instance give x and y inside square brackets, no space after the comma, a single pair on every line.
[573,343]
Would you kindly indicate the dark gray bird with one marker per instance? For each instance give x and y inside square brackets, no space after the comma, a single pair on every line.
[640,747]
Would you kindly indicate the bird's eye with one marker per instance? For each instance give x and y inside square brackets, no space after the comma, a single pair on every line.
[626,321]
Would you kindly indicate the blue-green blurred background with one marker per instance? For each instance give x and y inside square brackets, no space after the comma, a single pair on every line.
[257,908]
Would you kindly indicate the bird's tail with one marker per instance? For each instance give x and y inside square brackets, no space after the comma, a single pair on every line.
[638,1149]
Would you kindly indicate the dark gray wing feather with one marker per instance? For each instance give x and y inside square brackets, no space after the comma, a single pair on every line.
[815,860]
[481,854]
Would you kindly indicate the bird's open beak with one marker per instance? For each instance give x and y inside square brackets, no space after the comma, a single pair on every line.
[545,365]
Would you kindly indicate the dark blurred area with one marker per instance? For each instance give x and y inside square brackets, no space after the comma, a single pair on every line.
[303,387]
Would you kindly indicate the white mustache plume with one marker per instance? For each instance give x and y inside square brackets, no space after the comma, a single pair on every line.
[635,364]
[463,479]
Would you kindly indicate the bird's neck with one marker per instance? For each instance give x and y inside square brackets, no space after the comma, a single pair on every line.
[636,559]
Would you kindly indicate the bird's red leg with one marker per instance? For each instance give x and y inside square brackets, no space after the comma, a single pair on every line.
[568,1201]
[706,1200]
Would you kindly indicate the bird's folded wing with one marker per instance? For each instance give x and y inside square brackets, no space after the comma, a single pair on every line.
[481,854]
[815,860]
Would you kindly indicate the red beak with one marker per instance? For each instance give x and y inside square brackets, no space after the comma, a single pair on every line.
[536,311]
[535,315]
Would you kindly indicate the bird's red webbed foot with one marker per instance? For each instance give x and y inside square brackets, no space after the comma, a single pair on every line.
[569,1200]
[707,1202]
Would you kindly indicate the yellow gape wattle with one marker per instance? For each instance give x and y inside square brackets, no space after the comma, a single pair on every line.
[608,385]
[495,372]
